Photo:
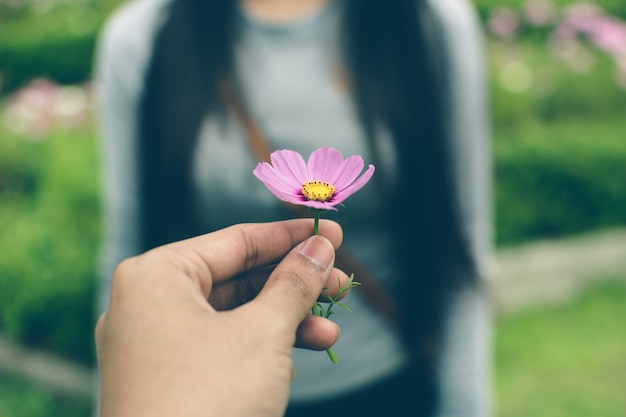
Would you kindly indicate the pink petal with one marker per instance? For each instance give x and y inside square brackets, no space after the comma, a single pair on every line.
[347,172]
[290,164]
[274,181]
[323,163]
[322,205]
[341,195]
[272,175]
[283,195]
[282,190]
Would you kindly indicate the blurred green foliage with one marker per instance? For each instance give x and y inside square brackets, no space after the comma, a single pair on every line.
[50,230]
[557,179]
[21,398]
[548,89]
[53,39]
[558,113]
[615,7]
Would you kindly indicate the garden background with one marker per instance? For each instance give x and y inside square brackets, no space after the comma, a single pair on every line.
[557,73]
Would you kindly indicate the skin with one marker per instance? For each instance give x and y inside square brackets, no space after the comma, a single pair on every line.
[163,350]
[278,11]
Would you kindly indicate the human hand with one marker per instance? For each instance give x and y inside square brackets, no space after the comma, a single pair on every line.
[164,350]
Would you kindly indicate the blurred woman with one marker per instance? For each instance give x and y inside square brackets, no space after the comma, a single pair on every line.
[192,89]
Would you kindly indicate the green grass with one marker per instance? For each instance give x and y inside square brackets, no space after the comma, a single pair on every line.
[565,362]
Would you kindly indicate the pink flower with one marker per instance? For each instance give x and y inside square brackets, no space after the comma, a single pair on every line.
[323,182]
[503,22]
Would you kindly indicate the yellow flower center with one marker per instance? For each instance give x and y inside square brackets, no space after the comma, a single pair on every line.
[317,190]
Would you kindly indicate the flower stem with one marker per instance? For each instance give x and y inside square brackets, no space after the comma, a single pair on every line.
[316,226]
[331,355]
[316,222]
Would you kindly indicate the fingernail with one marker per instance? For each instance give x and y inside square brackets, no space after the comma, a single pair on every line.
[318,250]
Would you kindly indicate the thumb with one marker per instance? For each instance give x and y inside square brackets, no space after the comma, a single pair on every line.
[297,281]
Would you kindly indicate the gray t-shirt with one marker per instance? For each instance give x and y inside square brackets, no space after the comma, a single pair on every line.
[288,75]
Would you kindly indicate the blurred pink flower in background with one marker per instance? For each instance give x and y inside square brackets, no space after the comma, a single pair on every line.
[604,31]
[37,108]
[503,22]
[589,22]
[539,12]
[575,33]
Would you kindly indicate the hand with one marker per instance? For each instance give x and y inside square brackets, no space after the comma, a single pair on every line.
[164,350]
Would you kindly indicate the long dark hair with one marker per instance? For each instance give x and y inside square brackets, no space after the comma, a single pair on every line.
[397,78]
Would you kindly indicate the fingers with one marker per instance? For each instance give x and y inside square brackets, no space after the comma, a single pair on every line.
[316,333]
[334,283]
[239,290]
[233,250]
[245,287]
[298,280]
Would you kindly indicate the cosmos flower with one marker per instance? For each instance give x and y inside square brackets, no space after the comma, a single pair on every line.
[323,182]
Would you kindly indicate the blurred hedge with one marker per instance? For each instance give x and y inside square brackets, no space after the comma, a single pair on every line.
[50,231]
[615,7]
[56,42]
[554,180]
[63,58]
[554,91]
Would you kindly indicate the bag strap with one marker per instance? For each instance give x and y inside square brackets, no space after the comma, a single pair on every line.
[370,289]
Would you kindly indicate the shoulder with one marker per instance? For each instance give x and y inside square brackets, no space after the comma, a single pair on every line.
[459,16]
[459,38]
[456,34]
[133,20]
[126,37]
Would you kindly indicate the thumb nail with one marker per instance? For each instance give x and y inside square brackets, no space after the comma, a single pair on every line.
[319,250]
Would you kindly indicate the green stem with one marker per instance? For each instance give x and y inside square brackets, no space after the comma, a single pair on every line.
[316,227]
[316,223]
[331,355]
